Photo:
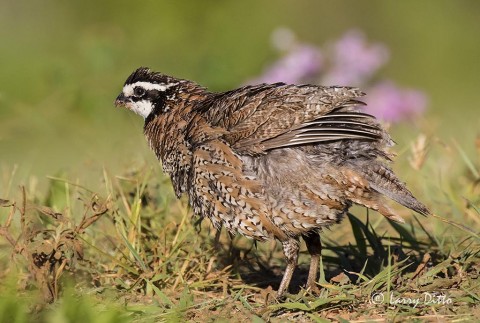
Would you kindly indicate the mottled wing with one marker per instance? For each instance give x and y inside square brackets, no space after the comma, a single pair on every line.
[221,191]
[336,125]
[263,117]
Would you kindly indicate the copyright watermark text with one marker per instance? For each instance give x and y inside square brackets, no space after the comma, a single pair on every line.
[426,298]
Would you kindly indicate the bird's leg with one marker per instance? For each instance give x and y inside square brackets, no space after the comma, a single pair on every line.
[216,243]
[290,250]
[314,247]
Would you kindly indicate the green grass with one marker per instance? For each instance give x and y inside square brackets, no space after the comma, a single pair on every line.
[129,251]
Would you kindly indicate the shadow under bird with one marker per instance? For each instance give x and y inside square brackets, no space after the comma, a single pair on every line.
[269,161]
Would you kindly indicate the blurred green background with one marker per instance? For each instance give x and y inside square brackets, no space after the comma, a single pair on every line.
[64,62]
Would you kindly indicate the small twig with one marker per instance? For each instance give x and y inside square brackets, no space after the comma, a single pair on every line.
[22,212]
[7,235]
[457,225]
[423,264]
[4,229]
[10,216]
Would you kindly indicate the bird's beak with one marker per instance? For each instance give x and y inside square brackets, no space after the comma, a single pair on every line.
[121,101]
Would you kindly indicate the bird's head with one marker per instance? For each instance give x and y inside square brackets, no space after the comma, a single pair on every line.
[146,92]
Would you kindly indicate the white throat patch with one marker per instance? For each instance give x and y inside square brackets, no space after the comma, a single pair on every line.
[143,108]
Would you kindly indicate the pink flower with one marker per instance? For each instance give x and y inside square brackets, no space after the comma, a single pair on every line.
[354,60]
[351,61]
[392,104]
[301,63]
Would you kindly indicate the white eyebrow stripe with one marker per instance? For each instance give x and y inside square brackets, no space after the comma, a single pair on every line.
[128,89]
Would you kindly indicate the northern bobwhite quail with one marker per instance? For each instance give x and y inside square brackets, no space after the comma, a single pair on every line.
[270,160]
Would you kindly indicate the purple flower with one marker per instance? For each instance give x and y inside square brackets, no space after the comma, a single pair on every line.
[351,61]
[301,63]
[392,104]
[354,60]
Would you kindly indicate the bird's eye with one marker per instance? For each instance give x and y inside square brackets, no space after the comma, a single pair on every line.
[139,91]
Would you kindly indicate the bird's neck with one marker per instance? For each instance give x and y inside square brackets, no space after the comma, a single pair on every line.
[170,134]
